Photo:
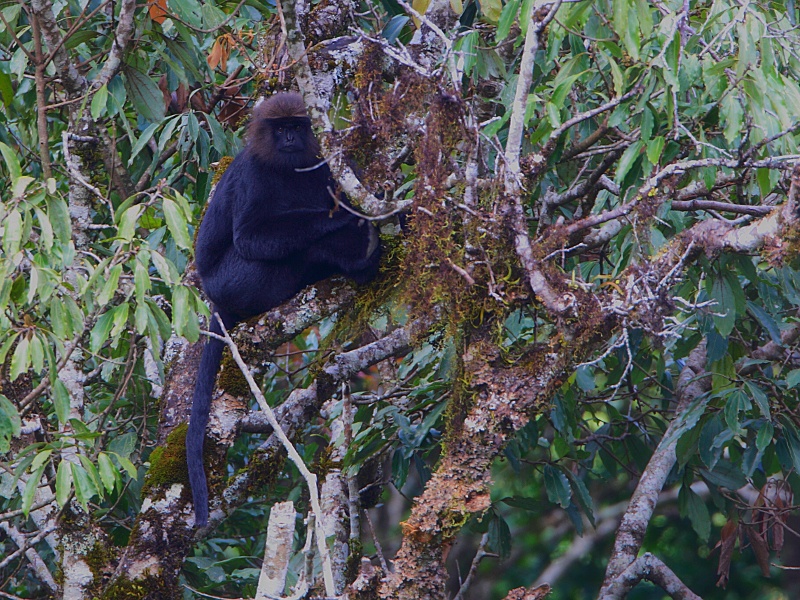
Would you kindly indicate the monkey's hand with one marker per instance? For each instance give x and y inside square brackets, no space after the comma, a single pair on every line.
[374,239]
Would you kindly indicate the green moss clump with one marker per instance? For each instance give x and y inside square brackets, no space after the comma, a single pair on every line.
[231,378]
[99,558]
[146,588]
[263,470]
[168,462]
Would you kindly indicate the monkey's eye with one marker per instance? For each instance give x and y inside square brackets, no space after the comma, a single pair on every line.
[280,129]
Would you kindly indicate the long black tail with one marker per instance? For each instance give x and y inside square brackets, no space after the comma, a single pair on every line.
[201,406]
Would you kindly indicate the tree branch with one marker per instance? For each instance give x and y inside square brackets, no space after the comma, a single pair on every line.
[652,569]
[122,37]
[643,502]
[74,83]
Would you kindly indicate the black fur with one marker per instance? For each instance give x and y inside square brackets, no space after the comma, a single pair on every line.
[269,232]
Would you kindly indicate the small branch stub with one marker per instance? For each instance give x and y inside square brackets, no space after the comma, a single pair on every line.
[278,551]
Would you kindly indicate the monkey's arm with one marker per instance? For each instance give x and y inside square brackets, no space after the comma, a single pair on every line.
[277,236]
[353,250]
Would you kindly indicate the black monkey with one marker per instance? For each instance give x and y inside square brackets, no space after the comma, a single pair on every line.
[272,228]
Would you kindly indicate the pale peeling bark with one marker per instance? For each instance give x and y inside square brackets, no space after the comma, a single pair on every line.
[556,303]
[278,551]
[334,503]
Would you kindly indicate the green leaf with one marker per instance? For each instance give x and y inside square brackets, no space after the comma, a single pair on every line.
[766,321]
[692,506]
[161,320]
[63,482]
[165,268]
[722,292]
[11,160]
[523,502]
[127,465]
[737,402]
[764,436]
[507,17]
[101,330]
[30,489]
[145,95]
[84,487]
[60,399]
[128,221]
[553,114]
[177,224]
[108,472]
[732,115]
[58,214]
[616,75]
[400,468]
[7,344]
[37,353]
[45,229]
[725,475]
[20,359]
[793,378]
[141,318]
[499,536]
[626,24]
[120,319]
[10,423]
[142,141]
[110,286]
[99,101]
[581,493]
[40,459]
[557,486]
[91,469]
[760,397]
[212,16]
[648,122]
[6,89]
[643,11]
[654,149]
[12,232]
[491,10]
[141,279]
[59,320]
[180,309]
[627,161]
[392,30]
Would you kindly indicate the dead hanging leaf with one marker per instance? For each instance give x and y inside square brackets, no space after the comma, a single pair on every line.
[220,52]
[727,540]
[158,10]
[760,548]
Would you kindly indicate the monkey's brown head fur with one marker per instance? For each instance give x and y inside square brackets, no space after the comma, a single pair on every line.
[281,106]
[280,133]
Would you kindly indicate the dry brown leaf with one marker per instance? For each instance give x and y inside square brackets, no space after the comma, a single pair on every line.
[220,52]
[727,540]
[158,10]
[760,548]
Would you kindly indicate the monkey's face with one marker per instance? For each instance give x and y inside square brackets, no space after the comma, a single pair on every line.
[290,142]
